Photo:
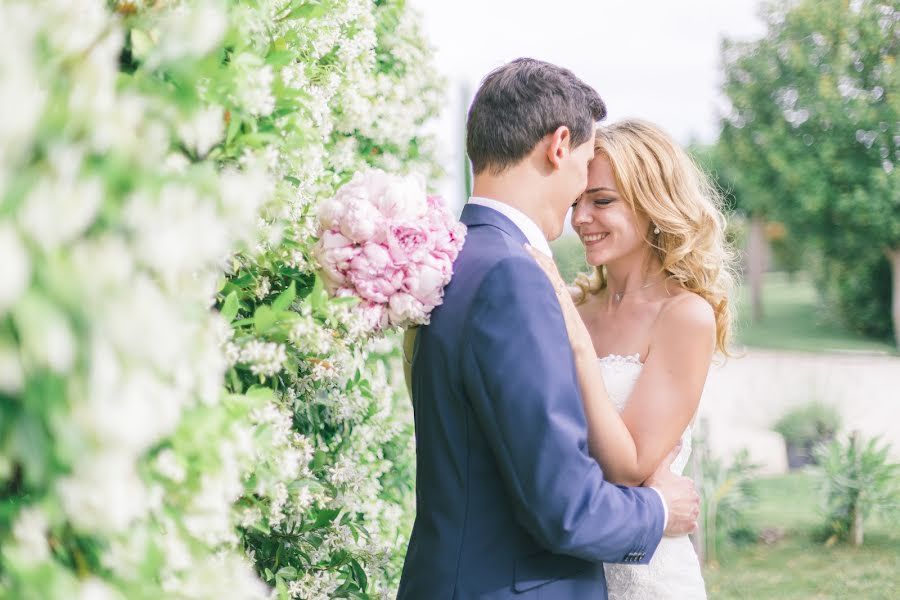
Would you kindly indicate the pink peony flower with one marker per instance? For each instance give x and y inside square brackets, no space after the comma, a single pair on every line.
[403,308]
[408,243]
[402,202]
[378,287]
[361,221]
[375,316]
[383,240]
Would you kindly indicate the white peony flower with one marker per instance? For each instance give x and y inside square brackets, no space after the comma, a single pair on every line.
[402,199]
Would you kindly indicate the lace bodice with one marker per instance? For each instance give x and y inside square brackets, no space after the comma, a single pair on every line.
[620,374]
[674,571]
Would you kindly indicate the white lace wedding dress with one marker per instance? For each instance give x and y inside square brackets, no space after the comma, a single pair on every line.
[674,571]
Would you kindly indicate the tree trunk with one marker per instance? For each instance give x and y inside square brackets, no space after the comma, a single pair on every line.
[856,528]
[894,257]
[756,265]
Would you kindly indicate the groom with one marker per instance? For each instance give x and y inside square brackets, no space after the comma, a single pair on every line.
[509,503]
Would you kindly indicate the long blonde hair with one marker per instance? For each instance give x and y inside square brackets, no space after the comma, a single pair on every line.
[657,178]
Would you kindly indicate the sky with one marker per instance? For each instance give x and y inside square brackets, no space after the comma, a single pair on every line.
[654,59]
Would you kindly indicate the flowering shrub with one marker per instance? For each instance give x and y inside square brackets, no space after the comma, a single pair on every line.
[158,159]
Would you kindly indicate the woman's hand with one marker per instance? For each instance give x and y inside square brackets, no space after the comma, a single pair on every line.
[579,336]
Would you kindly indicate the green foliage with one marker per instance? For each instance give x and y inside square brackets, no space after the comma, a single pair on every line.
[726,492]
[809,425]
[857,293]
[858,482]
[810,140]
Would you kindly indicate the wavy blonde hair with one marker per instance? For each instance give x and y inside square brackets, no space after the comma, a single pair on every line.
[657,178]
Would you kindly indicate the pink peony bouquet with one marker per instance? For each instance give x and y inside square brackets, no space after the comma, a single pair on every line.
[384,240]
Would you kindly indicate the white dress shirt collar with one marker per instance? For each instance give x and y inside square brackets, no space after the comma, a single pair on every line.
[529,228]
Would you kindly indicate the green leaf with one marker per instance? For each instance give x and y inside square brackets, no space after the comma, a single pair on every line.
[359,574]
[260,139]
[326,517]
[348,300]
[318,297]
[285,298]
[260,392]
[235,381]
[280,58]
[234,128]
[287,573]
[243,280]
[230,307]
[306,9]
[264,319]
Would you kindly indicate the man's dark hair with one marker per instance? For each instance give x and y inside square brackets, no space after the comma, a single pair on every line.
[521,102]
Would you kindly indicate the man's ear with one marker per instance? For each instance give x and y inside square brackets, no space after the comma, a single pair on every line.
[559,146]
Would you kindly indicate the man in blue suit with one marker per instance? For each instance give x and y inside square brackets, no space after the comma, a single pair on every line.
[509,502]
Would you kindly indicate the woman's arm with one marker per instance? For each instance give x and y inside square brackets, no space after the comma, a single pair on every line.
[667,393]
[630,446]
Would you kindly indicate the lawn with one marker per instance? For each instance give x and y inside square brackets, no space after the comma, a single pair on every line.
[799,566]
[792,320]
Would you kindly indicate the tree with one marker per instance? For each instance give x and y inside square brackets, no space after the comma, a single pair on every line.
[813,134]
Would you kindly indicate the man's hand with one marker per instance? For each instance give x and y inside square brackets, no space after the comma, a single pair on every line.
[680,495]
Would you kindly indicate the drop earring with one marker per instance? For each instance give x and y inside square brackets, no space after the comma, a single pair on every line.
[656,230]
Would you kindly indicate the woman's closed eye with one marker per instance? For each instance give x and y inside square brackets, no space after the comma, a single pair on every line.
[597,202]
[600,202]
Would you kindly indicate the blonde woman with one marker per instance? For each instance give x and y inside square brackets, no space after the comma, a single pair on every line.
[645,325]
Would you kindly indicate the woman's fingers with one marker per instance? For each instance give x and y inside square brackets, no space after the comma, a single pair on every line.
[545,263]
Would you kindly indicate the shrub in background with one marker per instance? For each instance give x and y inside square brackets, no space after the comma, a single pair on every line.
[804,428]
[858,481]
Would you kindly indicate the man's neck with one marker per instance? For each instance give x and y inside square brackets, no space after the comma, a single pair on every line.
[514,191]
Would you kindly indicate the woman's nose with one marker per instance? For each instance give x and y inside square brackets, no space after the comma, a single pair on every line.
[580,215]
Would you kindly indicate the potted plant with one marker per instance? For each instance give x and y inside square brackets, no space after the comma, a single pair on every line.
[804,428]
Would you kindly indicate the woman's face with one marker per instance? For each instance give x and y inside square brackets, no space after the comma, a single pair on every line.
[608,228]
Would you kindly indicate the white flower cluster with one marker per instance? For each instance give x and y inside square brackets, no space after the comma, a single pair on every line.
[120,208]
[344,410]
[107,346]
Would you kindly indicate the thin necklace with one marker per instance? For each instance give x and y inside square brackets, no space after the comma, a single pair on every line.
[617,296]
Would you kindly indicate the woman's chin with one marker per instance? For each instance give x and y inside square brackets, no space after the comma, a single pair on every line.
[595,259]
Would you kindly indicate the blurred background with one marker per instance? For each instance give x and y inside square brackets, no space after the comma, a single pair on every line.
[794,109]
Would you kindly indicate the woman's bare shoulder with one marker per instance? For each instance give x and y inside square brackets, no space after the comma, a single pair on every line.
[687,314]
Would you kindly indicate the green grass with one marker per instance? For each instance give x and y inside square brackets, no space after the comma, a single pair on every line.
[792,320]
[800,566]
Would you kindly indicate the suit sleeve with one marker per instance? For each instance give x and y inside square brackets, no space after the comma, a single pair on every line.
[521,382]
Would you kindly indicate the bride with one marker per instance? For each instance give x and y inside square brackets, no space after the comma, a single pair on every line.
[645,325]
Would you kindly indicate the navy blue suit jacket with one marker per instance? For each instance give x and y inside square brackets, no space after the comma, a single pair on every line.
[509,503]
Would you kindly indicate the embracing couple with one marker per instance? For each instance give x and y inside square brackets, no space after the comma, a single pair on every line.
[553,423]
